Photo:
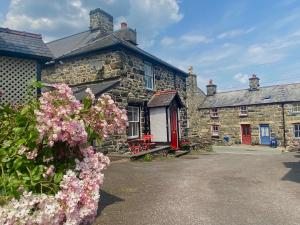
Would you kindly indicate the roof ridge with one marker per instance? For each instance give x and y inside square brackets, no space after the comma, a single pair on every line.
[21,33]
[88,44]
[59,39]
[246,89]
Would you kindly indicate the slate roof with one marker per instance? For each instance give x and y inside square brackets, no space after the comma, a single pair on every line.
[265,95]
[164,99]
[98,87]
[88,41]
[24,44]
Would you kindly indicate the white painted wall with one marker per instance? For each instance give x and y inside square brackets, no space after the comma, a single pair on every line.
[158,124]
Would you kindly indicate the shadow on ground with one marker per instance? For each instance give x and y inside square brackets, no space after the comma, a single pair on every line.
[294,173]
[107,199]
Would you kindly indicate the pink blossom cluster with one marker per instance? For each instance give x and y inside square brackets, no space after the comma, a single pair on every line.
[58,117]
[61,118]
[105,118]
[76,203]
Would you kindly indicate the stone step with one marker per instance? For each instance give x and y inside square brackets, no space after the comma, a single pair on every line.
[181,153]
[155,150]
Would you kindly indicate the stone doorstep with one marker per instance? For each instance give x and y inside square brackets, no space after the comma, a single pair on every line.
[155,150]
[179,153]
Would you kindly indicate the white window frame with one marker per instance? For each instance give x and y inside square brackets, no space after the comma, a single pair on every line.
[296,129]
[243,110]
[296,108]
[214,113]
[215,132]
[133,109]
[148,77]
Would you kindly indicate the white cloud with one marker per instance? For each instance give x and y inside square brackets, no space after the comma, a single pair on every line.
[242,78]
[235,33]
[191,39]
[57,18]
[185,41]
[167,41]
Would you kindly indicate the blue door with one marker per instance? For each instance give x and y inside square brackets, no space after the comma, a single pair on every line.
[264,134]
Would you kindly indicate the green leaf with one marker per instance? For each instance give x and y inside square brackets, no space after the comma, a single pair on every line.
[17,163]
[58,177]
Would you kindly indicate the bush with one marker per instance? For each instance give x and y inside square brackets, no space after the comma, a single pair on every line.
[49,172]
[148,158]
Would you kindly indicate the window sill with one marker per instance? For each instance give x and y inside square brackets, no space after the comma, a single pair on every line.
[133,138]
[149,89]
[214,117]
[215,135]
[243,115]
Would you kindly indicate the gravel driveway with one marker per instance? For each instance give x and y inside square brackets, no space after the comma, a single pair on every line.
[211,189]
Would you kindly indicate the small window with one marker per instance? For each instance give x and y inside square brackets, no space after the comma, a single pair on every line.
[214,113]
[297,130]
[148,77]
[215,130]
[296,108]
[243,111]
[133,122]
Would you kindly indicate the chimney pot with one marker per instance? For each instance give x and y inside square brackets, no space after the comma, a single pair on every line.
[123,25]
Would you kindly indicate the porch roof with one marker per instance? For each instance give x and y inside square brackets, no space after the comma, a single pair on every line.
[98,87]
[164,99]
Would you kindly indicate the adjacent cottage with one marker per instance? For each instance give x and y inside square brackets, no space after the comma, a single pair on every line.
[153,91]
[251,116]
[21,56]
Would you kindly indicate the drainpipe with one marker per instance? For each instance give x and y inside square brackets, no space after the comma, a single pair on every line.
[283,125]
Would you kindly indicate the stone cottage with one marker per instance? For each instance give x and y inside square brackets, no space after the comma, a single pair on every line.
[21,56]
[250,116]
[153,91]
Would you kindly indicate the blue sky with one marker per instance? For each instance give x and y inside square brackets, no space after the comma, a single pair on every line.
[226,40]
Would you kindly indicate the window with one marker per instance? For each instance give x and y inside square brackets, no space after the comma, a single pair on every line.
[214,113]
[297,130]
[296,108]
[243,111]
[133,122]
[215,129]
[148,77]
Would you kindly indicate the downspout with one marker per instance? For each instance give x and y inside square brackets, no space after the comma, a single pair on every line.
[283,125]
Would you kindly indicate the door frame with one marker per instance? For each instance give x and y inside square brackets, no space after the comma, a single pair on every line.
[175,108]
[241,130]
[264,124]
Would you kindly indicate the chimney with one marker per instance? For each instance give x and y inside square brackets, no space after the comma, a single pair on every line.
[211,88]
[123,25]
[192,81]
[127,34]
[253,83]
[101,21]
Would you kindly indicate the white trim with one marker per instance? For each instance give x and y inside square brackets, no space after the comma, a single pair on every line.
[152,80]
[139,122]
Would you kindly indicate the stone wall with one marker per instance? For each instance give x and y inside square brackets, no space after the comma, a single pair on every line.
[291,118]
[131,91]
[82,69]
[230,122]
[195,97]
[16,75]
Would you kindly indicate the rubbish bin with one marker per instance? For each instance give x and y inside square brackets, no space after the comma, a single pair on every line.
[274,143]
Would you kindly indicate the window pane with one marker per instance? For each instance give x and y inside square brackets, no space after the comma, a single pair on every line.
[297,130]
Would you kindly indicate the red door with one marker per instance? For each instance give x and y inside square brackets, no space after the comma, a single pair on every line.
[174,129]
[246,134]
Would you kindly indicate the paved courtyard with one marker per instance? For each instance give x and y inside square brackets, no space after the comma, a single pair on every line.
[236,188]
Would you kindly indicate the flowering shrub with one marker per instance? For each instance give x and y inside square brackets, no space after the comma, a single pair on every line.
[49,172]
[185,144]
